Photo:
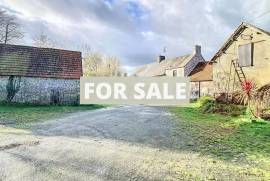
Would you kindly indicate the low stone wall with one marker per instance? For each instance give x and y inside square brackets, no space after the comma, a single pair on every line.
[43,90]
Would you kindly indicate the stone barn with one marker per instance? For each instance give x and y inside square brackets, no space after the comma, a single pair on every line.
[39,75]
[245,56]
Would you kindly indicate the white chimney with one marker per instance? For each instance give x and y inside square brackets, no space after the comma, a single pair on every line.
[197,50]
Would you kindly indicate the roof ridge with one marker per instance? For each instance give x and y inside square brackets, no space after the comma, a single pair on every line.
[256,27]
[28,46]
[236,32]
[187,55]
[155,68]
[33,62]
[169,59]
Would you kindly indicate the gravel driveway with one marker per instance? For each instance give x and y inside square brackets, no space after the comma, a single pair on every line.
[118,143]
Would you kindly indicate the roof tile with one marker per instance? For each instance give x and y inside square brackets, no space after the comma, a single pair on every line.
[39,62]
[158,69]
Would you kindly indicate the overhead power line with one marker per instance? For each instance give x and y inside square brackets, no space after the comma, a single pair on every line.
[261,15]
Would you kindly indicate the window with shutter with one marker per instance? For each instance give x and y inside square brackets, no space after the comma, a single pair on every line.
[245,55]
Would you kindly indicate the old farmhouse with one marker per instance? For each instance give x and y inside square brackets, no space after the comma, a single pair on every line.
[179,66]
[244,56]
[39,75]
[192,65]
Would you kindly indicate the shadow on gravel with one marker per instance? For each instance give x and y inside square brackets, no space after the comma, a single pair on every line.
[76,168]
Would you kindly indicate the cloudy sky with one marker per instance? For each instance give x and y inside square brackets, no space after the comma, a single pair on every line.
[137,31]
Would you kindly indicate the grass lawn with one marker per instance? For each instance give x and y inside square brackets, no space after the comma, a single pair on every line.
[20,115]
[231,138]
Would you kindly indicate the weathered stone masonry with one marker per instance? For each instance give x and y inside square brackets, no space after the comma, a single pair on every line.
[43,90]
[45,75]
[191,65]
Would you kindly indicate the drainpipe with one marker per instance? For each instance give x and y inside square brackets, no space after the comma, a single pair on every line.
[199,89]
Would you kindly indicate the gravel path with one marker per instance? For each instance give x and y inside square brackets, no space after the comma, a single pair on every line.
[119,143]
[133,124]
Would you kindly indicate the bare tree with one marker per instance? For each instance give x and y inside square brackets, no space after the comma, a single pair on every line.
[10,29]
[85,49]
[92,64]
[96,64]
[112,66]
[42,40]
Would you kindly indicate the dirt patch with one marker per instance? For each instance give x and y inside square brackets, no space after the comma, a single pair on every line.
[14,145]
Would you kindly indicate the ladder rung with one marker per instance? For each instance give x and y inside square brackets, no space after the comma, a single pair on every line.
[238,71]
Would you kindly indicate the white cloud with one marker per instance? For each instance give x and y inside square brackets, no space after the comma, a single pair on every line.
[137,30]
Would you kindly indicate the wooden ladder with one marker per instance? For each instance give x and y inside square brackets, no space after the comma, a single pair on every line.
[240,75]
[239,71]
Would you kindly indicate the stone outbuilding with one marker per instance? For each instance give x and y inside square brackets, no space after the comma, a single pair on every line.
[39,75]
[245,56]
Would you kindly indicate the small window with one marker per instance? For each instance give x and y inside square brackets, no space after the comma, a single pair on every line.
[175,73]
[245,54]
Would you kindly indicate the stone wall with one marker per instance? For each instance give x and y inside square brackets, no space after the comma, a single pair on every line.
[206,89]
[43,90]
[190,66]
[180,72]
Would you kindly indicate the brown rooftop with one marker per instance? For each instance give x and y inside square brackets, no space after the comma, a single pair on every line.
[202,72]
[39,62]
